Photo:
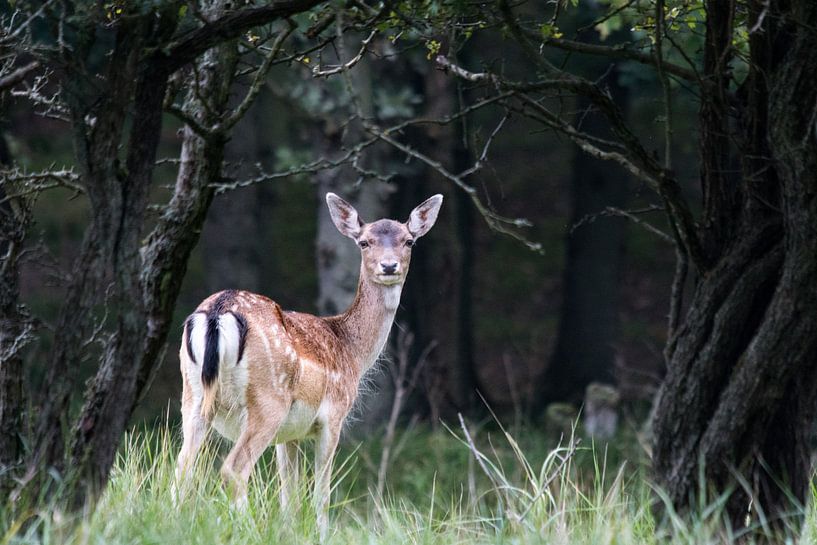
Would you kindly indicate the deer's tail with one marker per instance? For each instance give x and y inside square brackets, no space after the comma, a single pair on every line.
[216,339]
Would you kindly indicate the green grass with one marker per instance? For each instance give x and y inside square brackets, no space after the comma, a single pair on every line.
[502,488]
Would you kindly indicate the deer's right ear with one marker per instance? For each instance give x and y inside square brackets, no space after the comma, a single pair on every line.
[344,216]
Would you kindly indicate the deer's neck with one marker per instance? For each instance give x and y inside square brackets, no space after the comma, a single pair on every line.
[367,322]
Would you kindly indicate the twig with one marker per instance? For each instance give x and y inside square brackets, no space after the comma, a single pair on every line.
[29,183]
[494,220]
[629,214]
[403,387]
[637,159]
[477,454]
[318,73]
[258,80]
[10,80]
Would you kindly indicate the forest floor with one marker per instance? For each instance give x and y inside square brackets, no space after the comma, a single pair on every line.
[441,487]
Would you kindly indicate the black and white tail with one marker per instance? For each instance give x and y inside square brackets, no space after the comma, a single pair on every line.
[215,339]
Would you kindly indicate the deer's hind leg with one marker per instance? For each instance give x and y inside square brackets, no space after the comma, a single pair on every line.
[259,430]
[194,430]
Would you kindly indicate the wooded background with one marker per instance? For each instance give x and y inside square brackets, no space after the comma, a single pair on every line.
[553,265]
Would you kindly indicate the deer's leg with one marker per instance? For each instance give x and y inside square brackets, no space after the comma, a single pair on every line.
[258,433]
[194,429]
[286,455]
[325,448]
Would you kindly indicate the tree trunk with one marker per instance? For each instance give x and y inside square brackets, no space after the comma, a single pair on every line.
[116,107]
[338,259]
[444,270]
[14,330]
[588,324]
[741,386]
[231,234]
[124,368]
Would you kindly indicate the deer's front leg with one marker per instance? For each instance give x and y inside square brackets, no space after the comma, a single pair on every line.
[286,456]
[325,448]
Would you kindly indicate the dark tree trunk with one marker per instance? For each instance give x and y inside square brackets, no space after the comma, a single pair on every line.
[741,386]
[134,350]
[439,296]
[14,333]
[231,234]
[588,324]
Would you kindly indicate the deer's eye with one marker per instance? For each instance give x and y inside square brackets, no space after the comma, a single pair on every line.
[363,243]
[410,243]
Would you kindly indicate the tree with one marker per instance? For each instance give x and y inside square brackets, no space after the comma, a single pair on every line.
[119,67]
[594,250]
[740,376]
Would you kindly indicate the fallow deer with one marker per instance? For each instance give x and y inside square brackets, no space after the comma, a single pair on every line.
[261,375]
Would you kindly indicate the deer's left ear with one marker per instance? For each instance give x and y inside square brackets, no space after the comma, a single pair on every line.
[423,217]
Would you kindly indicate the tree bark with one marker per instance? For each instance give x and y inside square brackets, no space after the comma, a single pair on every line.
[14,329]
[741,387]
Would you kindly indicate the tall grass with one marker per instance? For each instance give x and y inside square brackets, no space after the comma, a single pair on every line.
[459,486]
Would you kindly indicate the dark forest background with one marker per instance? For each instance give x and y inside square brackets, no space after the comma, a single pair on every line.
[522,325]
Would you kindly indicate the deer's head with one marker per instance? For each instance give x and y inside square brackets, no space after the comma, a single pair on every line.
[385,245]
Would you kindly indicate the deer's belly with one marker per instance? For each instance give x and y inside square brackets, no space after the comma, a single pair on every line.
[298,423]
[229,423]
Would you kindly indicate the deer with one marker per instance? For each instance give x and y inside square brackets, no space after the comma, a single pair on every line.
[260,375]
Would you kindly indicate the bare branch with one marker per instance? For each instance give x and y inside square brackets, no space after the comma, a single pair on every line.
[630,215]
[621,52]
[30,183]
[54,107]
[259,78]
[10,80]
[203,131]
[586,143]
[495,221]
[304,168]
[350,63]
[637,160]
[404,385]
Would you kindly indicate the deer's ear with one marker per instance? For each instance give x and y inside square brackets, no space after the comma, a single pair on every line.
[344,216]
[423,217]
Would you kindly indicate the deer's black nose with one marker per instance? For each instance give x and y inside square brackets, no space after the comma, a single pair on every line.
[389,268]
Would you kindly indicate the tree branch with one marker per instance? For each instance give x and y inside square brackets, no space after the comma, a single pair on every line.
[259,79]
[9,81]
[233,24]
[636,159]
[620,52]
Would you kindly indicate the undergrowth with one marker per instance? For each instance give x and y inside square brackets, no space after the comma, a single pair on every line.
[460,486]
